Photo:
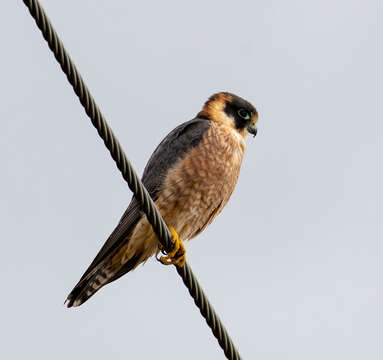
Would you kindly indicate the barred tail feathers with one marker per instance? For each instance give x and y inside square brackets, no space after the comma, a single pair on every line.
[99,277]
[141,245]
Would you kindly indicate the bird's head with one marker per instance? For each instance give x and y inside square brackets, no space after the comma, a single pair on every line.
[233,111]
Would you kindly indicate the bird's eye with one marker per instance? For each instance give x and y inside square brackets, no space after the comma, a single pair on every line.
[244,114]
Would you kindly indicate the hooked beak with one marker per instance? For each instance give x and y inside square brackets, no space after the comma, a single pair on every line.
[252,129]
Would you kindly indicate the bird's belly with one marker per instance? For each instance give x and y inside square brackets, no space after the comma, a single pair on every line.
[198,187]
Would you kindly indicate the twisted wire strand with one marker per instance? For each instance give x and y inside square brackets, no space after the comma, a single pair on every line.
[129,174]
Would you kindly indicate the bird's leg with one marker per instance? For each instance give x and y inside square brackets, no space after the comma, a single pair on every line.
[177,255]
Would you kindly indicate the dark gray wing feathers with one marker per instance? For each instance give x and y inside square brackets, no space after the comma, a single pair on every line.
[171,149]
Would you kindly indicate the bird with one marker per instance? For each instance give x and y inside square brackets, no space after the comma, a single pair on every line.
[190,177]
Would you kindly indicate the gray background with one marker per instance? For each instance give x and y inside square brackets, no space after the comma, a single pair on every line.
[293,265]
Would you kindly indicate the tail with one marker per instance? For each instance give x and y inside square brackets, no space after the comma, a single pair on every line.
[95,280]
[124,250]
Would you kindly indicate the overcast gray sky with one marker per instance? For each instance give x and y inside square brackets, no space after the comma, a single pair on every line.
[293,265]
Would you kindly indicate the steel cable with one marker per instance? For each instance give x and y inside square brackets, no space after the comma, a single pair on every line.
[129,174]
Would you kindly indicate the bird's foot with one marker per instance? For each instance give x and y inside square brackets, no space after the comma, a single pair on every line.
[177,255]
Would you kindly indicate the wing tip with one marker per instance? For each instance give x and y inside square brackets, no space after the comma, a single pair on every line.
[70,302]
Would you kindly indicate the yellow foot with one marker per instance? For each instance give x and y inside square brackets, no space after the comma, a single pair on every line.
[177,255]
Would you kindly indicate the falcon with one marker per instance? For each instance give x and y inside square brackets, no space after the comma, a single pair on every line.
[190,177]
